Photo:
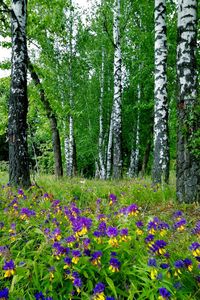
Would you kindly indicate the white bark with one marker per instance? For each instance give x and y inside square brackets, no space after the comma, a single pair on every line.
[134,159]
[70,165]
[161,151]
[188,166]
[102,171]
[109,149]
[117,130]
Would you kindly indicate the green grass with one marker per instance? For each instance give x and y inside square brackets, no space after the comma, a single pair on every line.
[32,248]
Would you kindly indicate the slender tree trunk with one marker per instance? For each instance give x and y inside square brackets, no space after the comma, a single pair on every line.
[161,145]
[71,159]
[53,123]
[117,122]
[188,167]
[109,148]
[134,159]
[102,171]
[19,174]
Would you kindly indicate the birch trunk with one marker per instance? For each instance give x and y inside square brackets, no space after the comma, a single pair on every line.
[134,159]
[188,167]
[70,166]
[161,148]
[102,171]
[117,126]
[19,174]
[109,149]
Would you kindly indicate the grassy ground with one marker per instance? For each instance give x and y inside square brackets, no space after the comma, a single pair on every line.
[34,248]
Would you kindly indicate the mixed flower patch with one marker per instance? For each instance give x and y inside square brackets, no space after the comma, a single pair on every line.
[53,249]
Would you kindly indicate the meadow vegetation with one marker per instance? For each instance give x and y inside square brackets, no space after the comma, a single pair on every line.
[91,239]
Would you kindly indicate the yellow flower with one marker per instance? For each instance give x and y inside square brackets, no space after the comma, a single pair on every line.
[75,260]
[9,273]
[113,242]
[153,274]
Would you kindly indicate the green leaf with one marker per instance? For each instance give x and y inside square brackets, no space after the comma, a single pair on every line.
[111,285]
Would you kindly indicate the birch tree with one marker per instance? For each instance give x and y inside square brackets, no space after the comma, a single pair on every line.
[101,155]
[19,174]
[69,143]
[161,147]
[117,122]
[134,159]
[188,167]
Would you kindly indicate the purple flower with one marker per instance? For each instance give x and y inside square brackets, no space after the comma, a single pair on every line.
[158,247]
[124,231]
[102,227]
[114,264]
[76,253]
[110,298]
[39,296]
[98,234]
[194,246]
[196,229]
[70,239]
[164,266]
[139,224]
[149,238]
[77,282]
[99,288]
[152,262]
[178,214]
[26,213]
[164,293]
[132,210]
[81,225]
[9,265]
[4,294]
[96,258]
[179,264]
[180,225]
[112,231]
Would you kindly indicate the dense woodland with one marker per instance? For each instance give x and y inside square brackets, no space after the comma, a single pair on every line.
[106,93]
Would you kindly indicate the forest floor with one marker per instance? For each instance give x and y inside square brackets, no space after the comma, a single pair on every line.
[36,224]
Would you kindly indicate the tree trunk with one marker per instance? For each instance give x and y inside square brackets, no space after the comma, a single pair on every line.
[102,171]
[134,159]
[53,123]
[188,167]
[19,174]
[161,144]
[109,148]
[117,123]
[70,166]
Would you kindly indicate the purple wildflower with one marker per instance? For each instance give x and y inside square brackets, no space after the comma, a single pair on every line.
[99,288]
[114,265]
[4,294]
[112,231]
[164,293]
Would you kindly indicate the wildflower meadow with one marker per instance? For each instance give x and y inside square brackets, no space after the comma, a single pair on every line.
[102,241]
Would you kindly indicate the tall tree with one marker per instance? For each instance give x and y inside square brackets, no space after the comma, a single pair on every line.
[53,122]
[19,174]
[161,148]
[117,119]
[188,167]
[134,159]
[70,144]
[102,170]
